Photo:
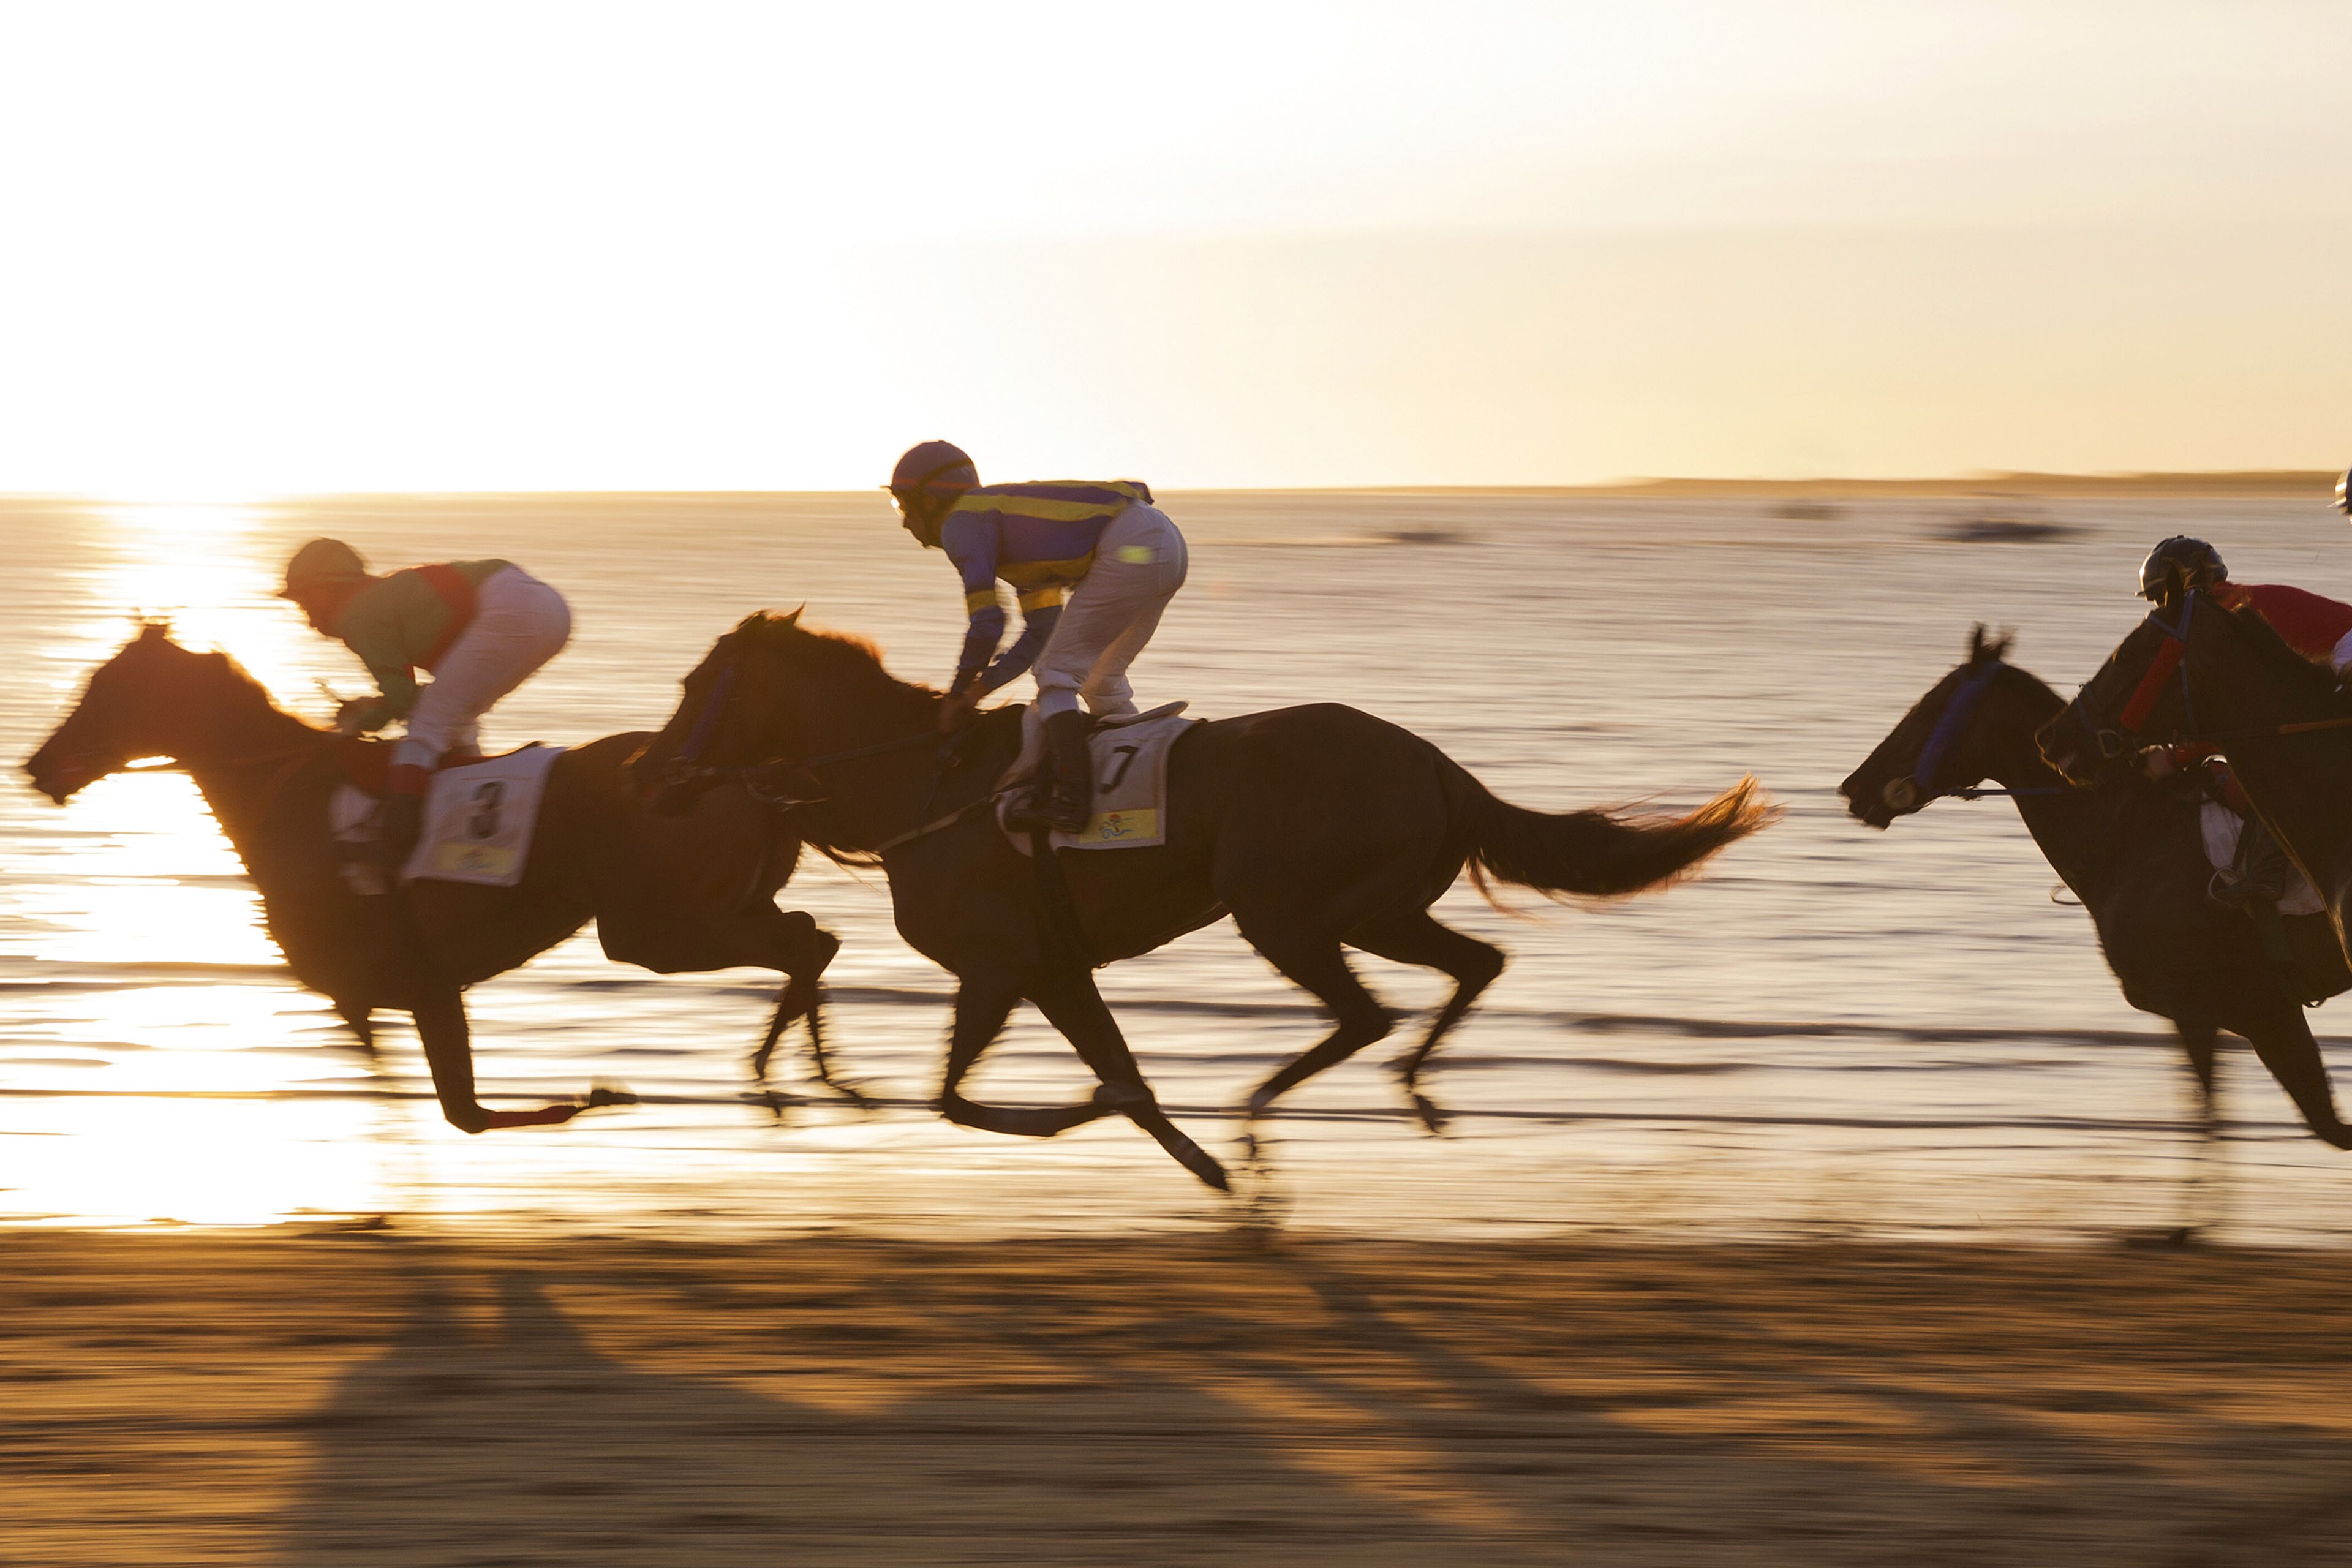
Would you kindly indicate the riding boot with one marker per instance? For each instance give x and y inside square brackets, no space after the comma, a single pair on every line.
[1069,804]
[399,827]
[1063,798]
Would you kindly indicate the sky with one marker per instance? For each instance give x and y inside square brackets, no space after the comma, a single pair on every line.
[252,249]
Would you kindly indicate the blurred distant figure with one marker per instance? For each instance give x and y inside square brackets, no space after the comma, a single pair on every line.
[1105,547]
[479,627]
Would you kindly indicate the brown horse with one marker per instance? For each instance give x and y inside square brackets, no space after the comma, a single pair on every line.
[1317,828]
[670,895]
[2133,852]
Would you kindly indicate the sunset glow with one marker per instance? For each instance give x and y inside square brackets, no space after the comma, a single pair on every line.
[296,248]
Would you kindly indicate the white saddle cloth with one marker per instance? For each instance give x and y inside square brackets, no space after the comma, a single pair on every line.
[2223,828]
[1130,758]
[478,819]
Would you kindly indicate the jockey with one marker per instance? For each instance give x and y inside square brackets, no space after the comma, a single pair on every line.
[2317,628]
[480,628]
[1105,547]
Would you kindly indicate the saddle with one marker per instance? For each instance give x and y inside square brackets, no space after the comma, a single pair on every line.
[366,763]
[480,815]
[1130,778]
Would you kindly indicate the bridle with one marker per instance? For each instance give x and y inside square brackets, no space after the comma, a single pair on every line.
[1918,787]
[763,781]
[2172,658]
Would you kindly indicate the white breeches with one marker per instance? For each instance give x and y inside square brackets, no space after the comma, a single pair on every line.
[1139,566]
[520,623]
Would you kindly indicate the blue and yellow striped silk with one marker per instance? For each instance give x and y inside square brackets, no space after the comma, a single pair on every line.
[1039,539]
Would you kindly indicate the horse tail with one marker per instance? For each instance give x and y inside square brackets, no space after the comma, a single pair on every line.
[1602,854]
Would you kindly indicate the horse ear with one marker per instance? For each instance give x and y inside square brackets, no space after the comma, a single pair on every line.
[2004,642]
[1977,643]
[794,618]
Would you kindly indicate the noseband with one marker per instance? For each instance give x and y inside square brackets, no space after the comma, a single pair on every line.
[1921,784]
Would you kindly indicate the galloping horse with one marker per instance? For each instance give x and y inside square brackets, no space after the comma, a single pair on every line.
[690,894]
[2132,851]
[1317,828]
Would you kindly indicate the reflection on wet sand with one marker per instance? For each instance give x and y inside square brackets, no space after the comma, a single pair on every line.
[1832,1035]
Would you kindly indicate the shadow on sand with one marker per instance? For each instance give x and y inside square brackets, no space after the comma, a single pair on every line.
[941,1410]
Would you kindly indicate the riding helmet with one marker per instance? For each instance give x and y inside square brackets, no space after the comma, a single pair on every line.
[2179,563]
[322,563]
[933,462]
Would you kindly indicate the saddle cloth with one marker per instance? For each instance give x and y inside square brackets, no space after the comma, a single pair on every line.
[2222,829]
[1130,758]
[478,819]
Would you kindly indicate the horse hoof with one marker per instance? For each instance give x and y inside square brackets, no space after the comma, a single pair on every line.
[2178,1238]
[604,1094]
[774,1101]
[851,1095]
[1195,1158]
[1433,1121]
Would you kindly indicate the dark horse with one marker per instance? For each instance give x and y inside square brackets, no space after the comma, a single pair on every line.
[2195,671]
[689,894]
[1317,828]
[2133,852]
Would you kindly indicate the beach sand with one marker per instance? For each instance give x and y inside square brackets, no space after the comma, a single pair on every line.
[396,1397]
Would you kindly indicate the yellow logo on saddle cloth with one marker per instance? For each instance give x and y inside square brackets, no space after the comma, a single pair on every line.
[1121,827]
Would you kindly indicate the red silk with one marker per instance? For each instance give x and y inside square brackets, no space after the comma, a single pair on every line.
[2151,685]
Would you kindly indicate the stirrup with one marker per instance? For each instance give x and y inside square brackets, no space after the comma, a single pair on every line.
[1046,806]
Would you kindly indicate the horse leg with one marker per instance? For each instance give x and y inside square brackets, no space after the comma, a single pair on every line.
[2282,1040]
[442,1029]
[801,950]
[981,1006]
[360,1020]
[1322,968]
[1418,938]
[2197,1037]
[1072,1005]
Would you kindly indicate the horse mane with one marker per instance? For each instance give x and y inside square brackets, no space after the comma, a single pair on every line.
[221,667]
[2305,676]
[844,654]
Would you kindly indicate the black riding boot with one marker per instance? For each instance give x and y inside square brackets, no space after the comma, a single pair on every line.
[1064,801]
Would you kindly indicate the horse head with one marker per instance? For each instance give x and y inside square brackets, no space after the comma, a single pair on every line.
[138,704]
[769,691]
[1939,746]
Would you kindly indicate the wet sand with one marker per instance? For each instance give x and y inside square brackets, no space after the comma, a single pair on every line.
[357,1397]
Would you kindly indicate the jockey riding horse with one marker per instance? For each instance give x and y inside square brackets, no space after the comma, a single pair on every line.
[1105,547]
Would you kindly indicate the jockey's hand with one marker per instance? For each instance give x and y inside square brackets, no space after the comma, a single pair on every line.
[350,715]
[2158,764]
[956,712]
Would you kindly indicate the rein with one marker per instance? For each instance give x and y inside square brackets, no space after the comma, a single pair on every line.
[685,768]
[2173,658]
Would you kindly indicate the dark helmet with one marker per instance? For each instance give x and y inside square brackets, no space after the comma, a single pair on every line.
[2343,494]
[933,462]
[2181,563]
[322,565]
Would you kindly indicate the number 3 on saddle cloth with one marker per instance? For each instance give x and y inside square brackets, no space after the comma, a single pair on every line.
[479,817]
[1130,765]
